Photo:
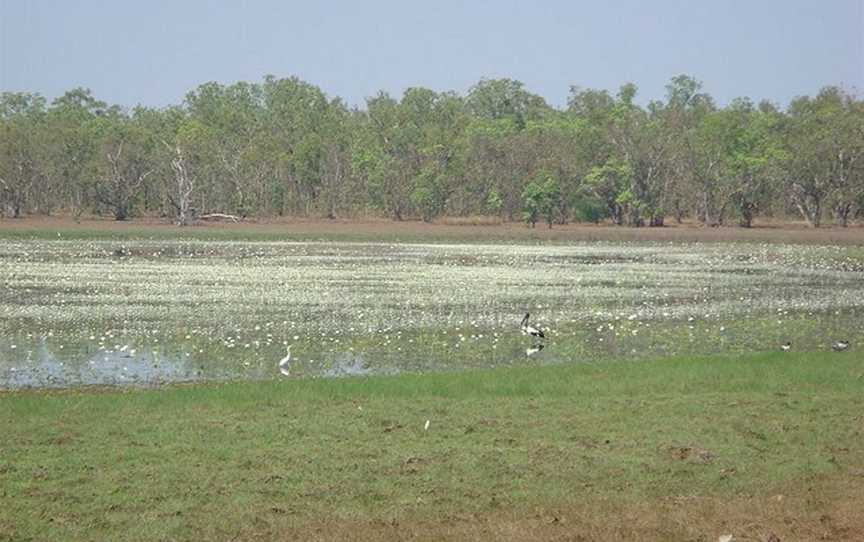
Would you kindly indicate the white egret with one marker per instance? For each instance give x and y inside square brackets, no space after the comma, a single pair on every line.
[426,426]
[285,363]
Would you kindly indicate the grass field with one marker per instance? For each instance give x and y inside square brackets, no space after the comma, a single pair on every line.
[674,449]
[660,409]
[413,231]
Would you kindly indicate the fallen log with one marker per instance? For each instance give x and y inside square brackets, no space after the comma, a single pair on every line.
[219,216]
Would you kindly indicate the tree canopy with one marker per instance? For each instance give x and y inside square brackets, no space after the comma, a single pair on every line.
[282,147]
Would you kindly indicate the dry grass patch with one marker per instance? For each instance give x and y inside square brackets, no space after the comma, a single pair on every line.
[829,510]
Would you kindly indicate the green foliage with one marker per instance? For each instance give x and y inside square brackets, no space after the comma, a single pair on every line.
[282,146]
[589,208]
[608,183]
[532,203]
[541,198]
[494,203]
[551,199]
[428,195]
[505,99]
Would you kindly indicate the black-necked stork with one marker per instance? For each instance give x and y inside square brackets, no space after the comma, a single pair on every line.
[787,346]
[840,346]
[285,363]
[531,330]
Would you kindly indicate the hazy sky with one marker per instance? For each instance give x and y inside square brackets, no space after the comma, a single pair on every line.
[154,51]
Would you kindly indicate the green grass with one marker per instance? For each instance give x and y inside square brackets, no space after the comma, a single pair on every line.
[251,459]
[410,231]
[296,232]
[167,233]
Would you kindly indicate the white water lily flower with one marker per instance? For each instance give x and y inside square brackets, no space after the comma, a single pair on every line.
[343,289]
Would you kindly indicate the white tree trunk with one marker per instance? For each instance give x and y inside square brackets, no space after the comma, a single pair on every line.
[184,185]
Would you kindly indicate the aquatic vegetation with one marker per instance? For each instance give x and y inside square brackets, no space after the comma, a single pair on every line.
[148,311]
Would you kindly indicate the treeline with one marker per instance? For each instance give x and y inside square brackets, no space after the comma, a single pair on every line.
[283,148]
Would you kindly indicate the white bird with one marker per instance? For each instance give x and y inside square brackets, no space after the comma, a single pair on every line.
[787,346]
[426,426]
[840,346]
[285,363]
[531,330]
[531,351]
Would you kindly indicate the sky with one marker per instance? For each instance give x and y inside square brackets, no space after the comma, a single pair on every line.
[153,52]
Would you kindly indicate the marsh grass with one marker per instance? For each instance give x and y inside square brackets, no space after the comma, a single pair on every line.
[514,453]
[460,230]
[97,311]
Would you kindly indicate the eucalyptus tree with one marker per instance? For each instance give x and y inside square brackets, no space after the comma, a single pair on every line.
[22,151]
[297,121]
[808,181]
[123,160]
[822,139]
[387,157]
[159,127]
[754,159]
[642,164]
[566,147]
[541,198]
[845,114]
[233,117]
[321,162]
[705,160]
[641,140]
[406,151]
[606,175]
[335,158]
[696,150]
[594,106]
[495,99]
[494,167]
[182,157]
[408,144]
[498,154]
[369,164]
[433,122]
[607,183]
[71,136]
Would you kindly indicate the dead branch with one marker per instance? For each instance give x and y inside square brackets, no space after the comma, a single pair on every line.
[219,216]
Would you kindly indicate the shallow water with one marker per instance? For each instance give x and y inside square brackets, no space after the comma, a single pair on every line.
[148,312]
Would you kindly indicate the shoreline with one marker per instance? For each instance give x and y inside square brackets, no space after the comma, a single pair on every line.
[416,231]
